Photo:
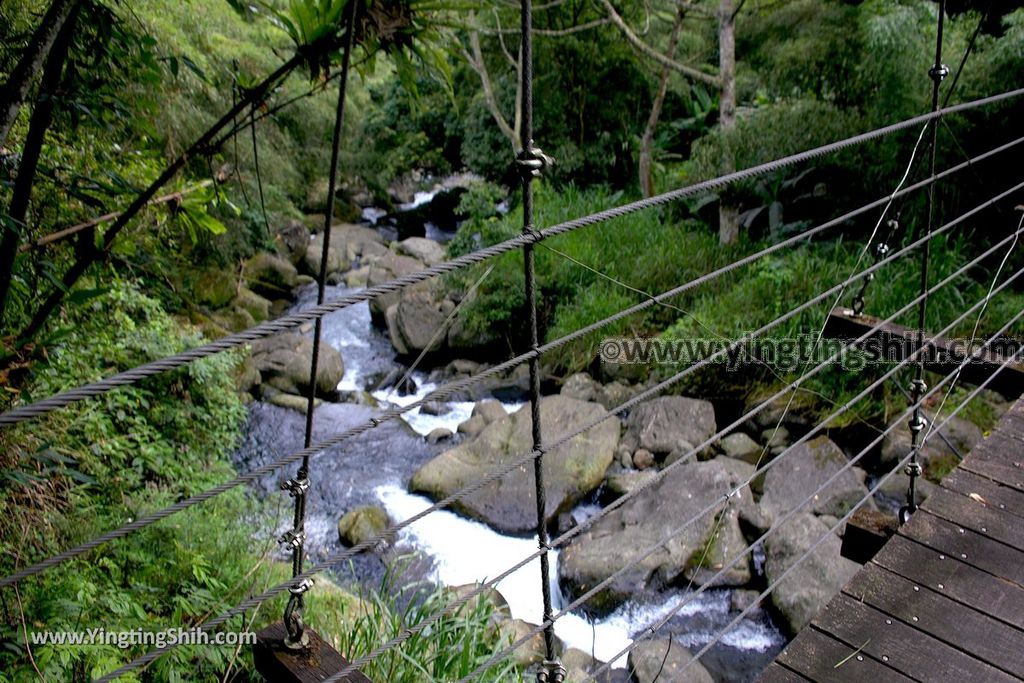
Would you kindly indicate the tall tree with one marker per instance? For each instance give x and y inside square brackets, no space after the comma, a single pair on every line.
[647,141]
[728,213]
[14,91]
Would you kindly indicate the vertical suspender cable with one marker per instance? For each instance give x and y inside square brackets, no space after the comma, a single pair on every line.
[531,161]
[299,486]
[937,73]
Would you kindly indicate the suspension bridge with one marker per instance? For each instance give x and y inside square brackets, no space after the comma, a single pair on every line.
[941,600]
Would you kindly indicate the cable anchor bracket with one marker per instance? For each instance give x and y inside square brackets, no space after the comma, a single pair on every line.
[532,162]
[551,671]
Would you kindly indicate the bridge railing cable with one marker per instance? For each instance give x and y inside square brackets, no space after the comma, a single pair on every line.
[651,629]
[686,457]
[263,330]
[393,529]
[263,470]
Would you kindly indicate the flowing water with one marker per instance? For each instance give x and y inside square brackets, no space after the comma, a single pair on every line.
[375,469]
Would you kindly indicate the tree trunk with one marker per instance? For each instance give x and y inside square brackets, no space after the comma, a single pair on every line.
[42,118]
[728,213]
[647,142]
[13,92]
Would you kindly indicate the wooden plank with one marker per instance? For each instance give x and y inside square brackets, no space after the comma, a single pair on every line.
[904,648]
[967,483]
[895,342]
[865,534]
[977,516]
[999,458]
[965,545]
[317,662]
[776,673]
[962,627]
[820,657]
[997,597]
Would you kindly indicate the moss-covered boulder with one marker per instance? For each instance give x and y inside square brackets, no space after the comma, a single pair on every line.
[270,275]
[571,470]
[213,288]
[362,524]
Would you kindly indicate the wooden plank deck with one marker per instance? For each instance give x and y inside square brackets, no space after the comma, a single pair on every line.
[944,598]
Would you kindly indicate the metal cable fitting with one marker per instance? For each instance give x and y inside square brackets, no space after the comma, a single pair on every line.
[532,161]
[917,423]
[919,385]
[293,539]
[913,469]
[938,73]
[297,638]
[296,487]
[551,671]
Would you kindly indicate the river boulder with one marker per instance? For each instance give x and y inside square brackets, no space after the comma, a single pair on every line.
[270,276]
[619,539]
[571,470]
[645,661]
[386,268]
[421,248]
[660,424]
[362,524]
[283,362]
[809,587]
[801,471]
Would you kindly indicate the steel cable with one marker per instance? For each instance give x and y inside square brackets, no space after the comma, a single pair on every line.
[393,529]
[622,500]
[269,328]
[373,422]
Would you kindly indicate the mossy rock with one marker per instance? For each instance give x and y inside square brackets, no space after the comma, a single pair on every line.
[362,523]
[214,288]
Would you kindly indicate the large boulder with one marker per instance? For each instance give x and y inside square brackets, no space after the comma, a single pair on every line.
[416,324]
[362,524]
[251,302]
[802,471]
[936,457]
[619,539]
[387,268]
[214,288]
[336,259]
[283,362]
[665,661]
[660,424]
[270,275]
[292,240]
[428,251]
[809,587]
[571,470]
[356,241]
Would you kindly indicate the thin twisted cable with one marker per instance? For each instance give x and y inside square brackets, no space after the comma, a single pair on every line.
[759,471]
[373,422]
[269,328]
[650,630]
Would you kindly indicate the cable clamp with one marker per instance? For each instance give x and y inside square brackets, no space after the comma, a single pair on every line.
[293,539]
[532,161]
[296,487]
[881,250]
[938,73]
[917,423]
[919,385]
[913,469]
[551,671]
[302,587]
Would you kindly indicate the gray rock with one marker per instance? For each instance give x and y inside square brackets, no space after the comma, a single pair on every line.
[247,376]
[720,550]
[421,248]
[490,410]
[387,268]
[358,277]
[472,426]
[741,600]
[292,240]
[740,446]
[645,661]
[279,398]
[614,394]
[809,587]
[336,259]
[214,288]
[434,408]
[643,459]
[622,483]
[571,470]
[270,275]
[801,471]
[936,457]
[416,325]
[774,437]
[581,387]
[683,449]
[580,666]
[661,423]
[283,362]
[362,524]
[254,304]
[439,434]
[621,537]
